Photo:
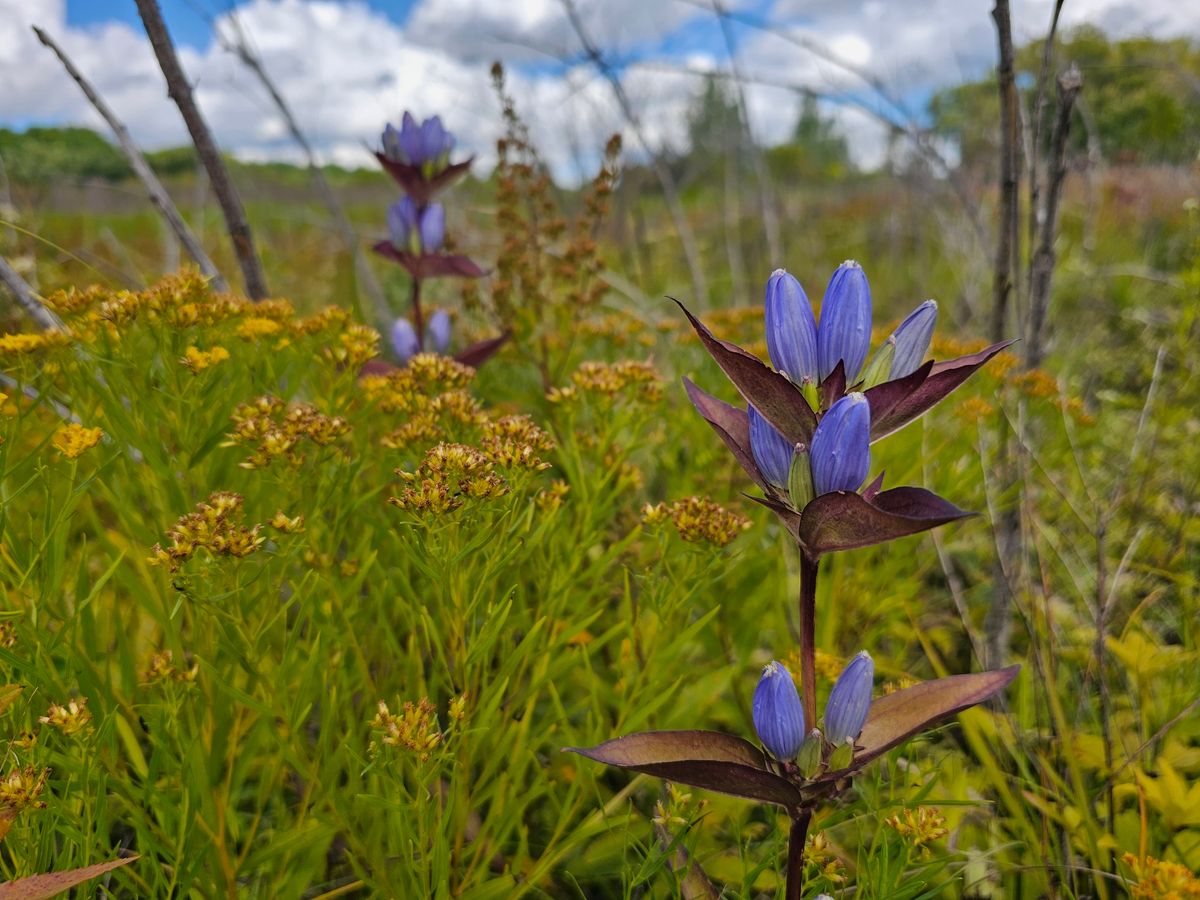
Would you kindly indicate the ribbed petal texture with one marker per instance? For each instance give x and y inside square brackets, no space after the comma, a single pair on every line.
[772,452]
[841,446]
[791,328]
[844,332]
[850,700]
[778,715]
[912,339]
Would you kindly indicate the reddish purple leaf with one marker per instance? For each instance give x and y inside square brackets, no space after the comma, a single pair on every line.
[703,759]
[731,424]
[871,490]
[51,884]
[943,378]
[430,265]
[894,718]
[844,521]
[780,402]
[883,398]
[791,518]
[833,388]
[414,182]
[481,351]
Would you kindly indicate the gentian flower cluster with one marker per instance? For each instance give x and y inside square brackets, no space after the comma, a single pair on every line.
[804,437]
[417,156]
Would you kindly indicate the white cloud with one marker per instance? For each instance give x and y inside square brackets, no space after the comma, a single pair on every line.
[346,69]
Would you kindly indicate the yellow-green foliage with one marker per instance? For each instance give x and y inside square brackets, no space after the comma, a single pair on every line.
[285,630]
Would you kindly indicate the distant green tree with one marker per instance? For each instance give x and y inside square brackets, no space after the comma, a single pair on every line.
[817,150]
[41,155]
[1142,94]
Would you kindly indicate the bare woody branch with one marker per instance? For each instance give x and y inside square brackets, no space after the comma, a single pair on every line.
[1042,267]
[770,215]
[180,91]
[158,194]
[1008,233]
[670,190]
[240,47]
[20,289]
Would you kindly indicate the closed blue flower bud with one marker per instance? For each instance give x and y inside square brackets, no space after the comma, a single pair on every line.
[412,147]
[404,340]
[778,715]
[402,222]
[791,328]
[391,144]
[850,700]
[841,446]
[771,450]
[845,329]
[436,141]
[912,339]
[432,228]
[438,331]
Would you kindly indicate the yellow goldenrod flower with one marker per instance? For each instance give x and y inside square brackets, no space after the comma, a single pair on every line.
[70,719]
[73,440]
[197,360]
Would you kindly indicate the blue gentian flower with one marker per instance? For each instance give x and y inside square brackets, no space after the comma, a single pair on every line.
[850,700]
[841,446]
[425,144]
[791,328]
[778,715]
[844,332]
[912,339]
[772,451]
[416,229]
[404,340]
[438,331]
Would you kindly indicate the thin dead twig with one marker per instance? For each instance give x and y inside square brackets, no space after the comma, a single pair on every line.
[158,194]
[180,91]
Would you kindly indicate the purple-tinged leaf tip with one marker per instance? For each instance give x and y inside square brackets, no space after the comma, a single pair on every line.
[779,401]
[703,759]
[845,521]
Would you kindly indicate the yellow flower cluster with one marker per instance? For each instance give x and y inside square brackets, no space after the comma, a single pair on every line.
[609,380]
[70,719]
[162,668]
[921,826]
[252,328]
[828,665]
[698,519]
[433,418]
[415,729]
[1158,879]
[448,476]
[554,496]
[675,809]
[73,440]
[819,855]
[513,442]
[356,344]
[20,790]
[621,328]
[276,430]
[215,526]
[22,344]
[197,360]
[425,376]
